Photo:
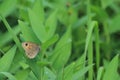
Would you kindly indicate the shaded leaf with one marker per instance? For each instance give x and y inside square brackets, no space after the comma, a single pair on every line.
[10,76]
[114,24]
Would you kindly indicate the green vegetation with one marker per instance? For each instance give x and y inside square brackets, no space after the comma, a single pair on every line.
[78,39]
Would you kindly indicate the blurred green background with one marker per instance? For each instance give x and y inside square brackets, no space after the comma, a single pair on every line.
[78,39]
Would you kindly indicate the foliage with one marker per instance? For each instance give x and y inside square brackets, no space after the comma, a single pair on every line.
[78,39]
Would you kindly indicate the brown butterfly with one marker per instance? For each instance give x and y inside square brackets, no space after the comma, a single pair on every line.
[31,49]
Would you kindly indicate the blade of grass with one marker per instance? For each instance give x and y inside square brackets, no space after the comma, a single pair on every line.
[7,37]
[12,33]
[90,58]
[88,41]
[89,34]
[97,46]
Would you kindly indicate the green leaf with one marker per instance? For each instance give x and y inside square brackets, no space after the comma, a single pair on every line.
[22,74]
[79,63]
[101,14]
[114,24]
[48,74]
[37,26]
[6,60]
[31,77]
[68,72]
[39,10]
[89,34]
[27,32]
[111,70]
[10,76]
[49,42]
[51,23]
[7,7]
[62,51]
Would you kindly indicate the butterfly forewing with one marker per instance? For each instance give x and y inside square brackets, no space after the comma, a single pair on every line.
[31,49]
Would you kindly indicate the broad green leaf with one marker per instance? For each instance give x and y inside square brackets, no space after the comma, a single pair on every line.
[51,24]
[111,69]
[27,32]
[48,74]
[23,13]
[39,10]
[37,26]
[22,74]
[6,60]
[8,75]
[62,51]
[50,42]
[59,74]
[7,7]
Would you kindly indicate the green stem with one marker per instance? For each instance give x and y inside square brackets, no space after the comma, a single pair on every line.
[90,59]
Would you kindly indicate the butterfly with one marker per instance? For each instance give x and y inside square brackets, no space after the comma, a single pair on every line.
[31,49]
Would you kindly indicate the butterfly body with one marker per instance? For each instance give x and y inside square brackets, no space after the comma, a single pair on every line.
[31,49]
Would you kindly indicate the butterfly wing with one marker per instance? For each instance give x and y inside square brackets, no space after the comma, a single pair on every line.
[32,52]
[31,49]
